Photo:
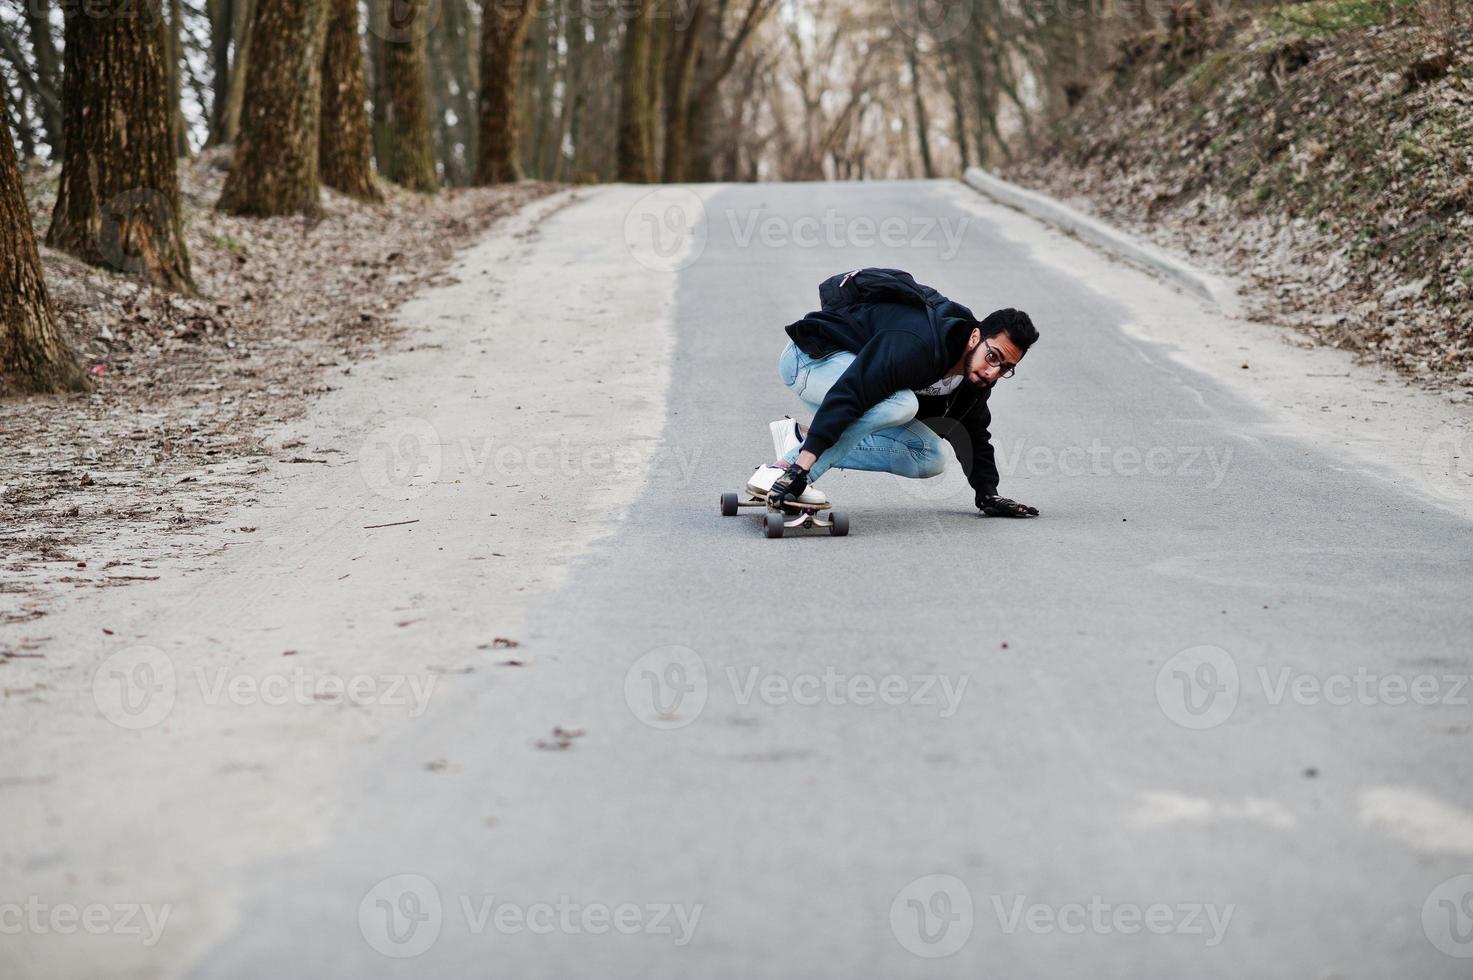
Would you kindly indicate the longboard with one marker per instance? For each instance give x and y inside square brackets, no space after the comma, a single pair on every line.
[790,516]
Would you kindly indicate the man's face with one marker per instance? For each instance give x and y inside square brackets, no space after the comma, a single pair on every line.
[998,348]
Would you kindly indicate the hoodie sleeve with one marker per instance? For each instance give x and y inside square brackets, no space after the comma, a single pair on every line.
[893,360]
[983,472]
[970,438]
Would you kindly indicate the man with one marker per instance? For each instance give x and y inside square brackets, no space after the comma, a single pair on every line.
[883,352]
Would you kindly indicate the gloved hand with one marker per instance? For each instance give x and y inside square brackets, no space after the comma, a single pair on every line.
[789,486]
[995,506]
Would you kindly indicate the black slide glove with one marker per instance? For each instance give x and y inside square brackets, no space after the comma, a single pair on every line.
[789,486]
[995,506]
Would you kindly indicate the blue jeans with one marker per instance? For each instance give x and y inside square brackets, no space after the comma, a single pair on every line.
[885,439]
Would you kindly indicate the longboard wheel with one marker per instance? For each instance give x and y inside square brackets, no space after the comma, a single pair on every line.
[840,526]
[729,505]
[774,525]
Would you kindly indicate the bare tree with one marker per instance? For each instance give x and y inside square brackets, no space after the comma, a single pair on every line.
[345,151]
[33,355]
[275,168]
[225,114]
[504,27]
[922,124]
[453,45]
[636,123]
[405,145]
[117,203]
[680,86]
[724,45]
[48,72]
[174,56]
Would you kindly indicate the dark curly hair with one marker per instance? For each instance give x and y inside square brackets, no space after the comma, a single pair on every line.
[1015,323]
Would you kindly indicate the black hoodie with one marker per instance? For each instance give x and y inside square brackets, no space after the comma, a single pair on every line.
[905,336]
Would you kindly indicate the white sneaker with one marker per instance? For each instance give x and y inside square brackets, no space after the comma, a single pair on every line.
[785,437]
[765,476]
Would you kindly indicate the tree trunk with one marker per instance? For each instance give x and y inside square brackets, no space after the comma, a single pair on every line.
[274,171]
[407,141]
[660,44]
[635,124]
[345,153]
[534,98]
[27,89]
[227,131]
[464,41]
[700,141]
[573,75]
[48,73]
[175,37]
[220,13]
[118,201]
[504,27]
[956,87]
[443,86]
[923,136]
[678,102]
[33,355]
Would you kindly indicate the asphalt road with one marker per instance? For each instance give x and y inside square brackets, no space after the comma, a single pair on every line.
[1203,718]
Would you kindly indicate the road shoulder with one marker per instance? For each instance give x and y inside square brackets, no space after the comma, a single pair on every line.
[176,731]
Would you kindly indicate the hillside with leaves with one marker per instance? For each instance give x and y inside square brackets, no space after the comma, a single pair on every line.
[1323,151]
